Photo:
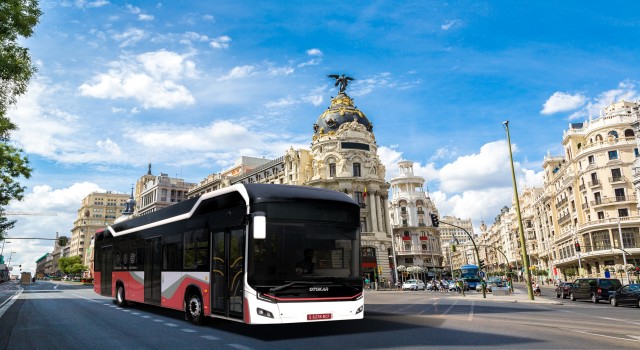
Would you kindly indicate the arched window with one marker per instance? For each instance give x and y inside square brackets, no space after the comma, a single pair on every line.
[598,138]
[629,133]
[613,134]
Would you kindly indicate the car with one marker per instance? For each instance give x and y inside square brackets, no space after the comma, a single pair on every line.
[452,285]
[626,295]
[563,289]
[413,285]
[595,289]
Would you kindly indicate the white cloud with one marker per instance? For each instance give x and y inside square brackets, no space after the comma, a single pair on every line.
[488,169]
[444,153]
[150,78]
[561,102]
[316,55]
[132,9]
[64,202]
[283,102]
[145,17]
[130,37]
[238,73]
[221,42]
[451,24]
[90,4]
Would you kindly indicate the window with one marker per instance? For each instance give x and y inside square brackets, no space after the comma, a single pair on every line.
[635,152]
[601,240]
[597,198]
[616,174]
[629,133]
[619,194]
[332,170]
[196,250]
[359,198]
[613,155]
[592,160]
[629,238]
[356,170]
[624,212]
[613,134]
[600,215]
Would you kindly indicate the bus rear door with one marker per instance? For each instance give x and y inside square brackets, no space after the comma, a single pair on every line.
[152,270]
[106,263]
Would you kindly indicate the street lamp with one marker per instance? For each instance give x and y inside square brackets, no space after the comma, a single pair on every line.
[10,256]
[523,245]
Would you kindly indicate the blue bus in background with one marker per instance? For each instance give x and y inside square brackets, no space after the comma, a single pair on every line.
[470,274]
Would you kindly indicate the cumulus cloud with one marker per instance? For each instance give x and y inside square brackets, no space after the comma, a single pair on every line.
[238,73]
[63,202]
[562,102]
[150,78]
[316,58]
[221,42]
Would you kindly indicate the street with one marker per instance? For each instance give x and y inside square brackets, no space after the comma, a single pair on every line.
[48,315]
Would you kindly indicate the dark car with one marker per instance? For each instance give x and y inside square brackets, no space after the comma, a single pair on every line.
[563,289]
[627,295]
[595,289]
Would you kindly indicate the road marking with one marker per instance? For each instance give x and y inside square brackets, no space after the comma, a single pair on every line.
[608,336]
[171,324]
[619,320]
[55,287]
[471,311]
[135,313]
[7,303]
[187,330]
[449,309]
[428,307]
[209,337]
[157,320]
[145,316]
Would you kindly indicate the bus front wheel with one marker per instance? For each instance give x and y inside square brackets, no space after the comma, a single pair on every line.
[193,309]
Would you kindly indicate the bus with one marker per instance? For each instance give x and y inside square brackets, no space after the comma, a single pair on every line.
[252,253]
[470,274]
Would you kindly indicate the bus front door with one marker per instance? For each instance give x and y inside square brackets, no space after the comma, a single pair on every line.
[227,272]
[106,263]
[152,272]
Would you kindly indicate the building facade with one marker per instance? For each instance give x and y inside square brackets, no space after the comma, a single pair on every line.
[154,192]
[416,240]
[98,210]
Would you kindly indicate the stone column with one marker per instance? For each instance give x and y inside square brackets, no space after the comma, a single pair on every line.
[373,214]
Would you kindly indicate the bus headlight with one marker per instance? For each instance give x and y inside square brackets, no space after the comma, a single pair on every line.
[265,313]
[360,309]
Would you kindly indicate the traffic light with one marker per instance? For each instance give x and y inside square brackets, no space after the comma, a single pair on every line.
[577,246]
[481,265]
[434,220]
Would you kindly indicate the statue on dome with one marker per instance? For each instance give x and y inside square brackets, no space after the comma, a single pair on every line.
[341,80]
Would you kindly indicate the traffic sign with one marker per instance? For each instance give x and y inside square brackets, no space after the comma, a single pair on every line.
[482,274]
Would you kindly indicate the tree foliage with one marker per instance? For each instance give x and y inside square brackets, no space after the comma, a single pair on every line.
[71,265]
[17,21]
[5,225]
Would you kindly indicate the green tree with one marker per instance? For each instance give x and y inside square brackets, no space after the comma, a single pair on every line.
[5,225]
[71,265]
[17,20]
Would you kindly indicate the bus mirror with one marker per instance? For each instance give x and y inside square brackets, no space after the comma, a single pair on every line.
[259,225]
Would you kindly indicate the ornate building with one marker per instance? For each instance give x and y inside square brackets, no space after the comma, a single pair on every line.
[154,192]
[416,241]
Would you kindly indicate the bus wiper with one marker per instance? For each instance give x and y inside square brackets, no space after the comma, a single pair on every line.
[291,283]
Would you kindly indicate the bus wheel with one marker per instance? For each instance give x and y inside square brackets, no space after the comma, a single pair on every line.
[193,309]
[120,299]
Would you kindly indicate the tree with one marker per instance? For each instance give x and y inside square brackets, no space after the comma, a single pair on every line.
[5,225]
[71,265]
[17,20]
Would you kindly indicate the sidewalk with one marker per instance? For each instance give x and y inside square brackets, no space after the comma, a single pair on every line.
[519,295]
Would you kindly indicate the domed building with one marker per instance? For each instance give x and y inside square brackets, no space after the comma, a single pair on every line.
[343,157]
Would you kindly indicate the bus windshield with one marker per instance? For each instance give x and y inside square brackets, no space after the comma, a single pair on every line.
[303,251]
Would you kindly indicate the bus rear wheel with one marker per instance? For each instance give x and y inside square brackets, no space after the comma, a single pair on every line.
[120,298]
[193,309]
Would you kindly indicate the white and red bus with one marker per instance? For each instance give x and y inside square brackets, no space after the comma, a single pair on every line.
[254,253]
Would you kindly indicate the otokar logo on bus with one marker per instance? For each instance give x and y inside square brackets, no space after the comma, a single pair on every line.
[319,289]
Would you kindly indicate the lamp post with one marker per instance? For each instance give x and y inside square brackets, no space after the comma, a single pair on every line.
[624,256]
[523,246]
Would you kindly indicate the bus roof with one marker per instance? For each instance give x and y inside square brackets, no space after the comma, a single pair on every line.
[250,193]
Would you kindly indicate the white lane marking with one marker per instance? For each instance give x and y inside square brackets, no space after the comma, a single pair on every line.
[619,320]
[447,310]
[187,330]
[470,318]
[607,336]
[171,324]
[428,307]
[157,320]
[634,336]
[239,346]
[125,310]
[135,313]
[7,303]
[55,287]
[209,337]
[145,316]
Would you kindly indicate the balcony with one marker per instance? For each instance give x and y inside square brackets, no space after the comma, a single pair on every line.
[585,206]
[406,238]
[617,179]
[420,211]
[564,219]
[582,187]
[562,201]
[595,183]
[613,200]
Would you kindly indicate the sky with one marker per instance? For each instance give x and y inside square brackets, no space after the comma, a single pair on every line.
[190,86]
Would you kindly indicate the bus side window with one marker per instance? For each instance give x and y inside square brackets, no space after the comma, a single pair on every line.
[196,250]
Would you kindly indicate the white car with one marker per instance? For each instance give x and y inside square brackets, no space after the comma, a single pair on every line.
[413,285]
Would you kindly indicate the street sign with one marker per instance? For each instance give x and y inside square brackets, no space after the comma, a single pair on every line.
[482,274]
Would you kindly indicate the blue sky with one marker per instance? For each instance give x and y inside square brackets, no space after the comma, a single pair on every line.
[190,86]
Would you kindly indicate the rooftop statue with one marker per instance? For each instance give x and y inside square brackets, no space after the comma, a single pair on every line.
[341,80]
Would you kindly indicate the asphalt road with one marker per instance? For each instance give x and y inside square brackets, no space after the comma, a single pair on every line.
[50,315]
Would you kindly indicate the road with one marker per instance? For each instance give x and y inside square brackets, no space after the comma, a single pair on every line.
[48,315]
